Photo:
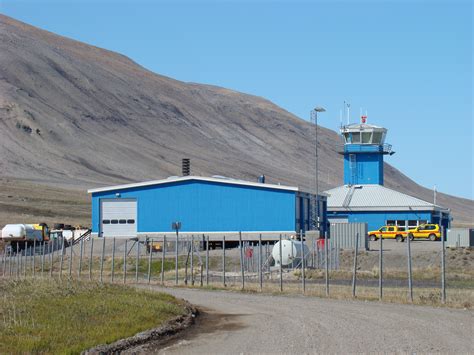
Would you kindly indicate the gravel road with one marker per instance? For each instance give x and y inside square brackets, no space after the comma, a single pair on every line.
[250,323]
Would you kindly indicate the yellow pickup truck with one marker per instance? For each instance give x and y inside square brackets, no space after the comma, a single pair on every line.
[425,231]
[389,232]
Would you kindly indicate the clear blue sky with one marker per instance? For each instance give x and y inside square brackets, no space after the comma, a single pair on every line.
[409,63]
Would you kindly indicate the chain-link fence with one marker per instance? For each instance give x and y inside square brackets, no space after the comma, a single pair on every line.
[411,271]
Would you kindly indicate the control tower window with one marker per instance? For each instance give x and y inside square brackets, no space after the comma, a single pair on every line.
[366,137]
[377,138]
[355,137]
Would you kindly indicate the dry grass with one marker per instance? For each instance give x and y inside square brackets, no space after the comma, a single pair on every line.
[456,298]
[49,316]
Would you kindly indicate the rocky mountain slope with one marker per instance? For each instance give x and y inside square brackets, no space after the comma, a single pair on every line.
[76,115]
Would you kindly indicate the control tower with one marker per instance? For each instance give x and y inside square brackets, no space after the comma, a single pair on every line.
[364,148]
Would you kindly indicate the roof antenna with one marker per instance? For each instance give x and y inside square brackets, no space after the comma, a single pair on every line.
[340,117]
[348,105]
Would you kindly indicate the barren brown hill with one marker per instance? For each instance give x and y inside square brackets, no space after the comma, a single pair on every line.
[77,116]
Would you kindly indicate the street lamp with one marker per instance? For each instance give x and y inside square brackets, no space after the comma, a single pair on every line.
[315,209]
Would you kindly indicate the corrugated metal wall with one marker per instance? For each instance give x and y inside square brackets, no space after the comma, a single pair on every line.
[377,219]
[460,238]
[344,235]
[207,206]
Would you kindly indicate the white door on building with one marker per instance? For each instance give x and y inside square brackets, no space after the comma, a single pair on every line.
[118,218]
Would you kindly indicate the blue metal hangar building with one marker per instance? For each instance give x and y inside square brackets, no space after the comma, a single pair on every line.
[363,198]
[214,206]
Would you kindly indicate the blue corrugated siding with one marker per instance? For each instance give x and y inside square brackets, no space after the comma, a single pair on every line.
[368,169]
[206,206]
[375,220]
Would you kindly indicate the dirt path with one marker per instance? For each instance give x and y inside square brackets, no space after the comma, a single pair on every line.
[249,323]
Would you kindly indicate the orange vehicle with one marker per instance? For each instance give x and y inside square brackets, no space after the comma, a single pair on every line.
[389,232]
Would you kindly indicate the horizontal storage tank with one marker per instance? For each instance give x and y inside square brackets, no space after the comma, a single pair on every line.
[291,252]
[21,232]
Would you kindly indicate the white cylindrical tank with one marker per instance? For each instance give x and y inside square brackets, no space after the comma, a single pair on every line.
[26,232]
[291,252]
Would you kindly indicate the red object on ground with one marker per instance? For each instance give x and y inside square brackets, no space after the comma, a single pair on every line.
[249,252]
[320,243]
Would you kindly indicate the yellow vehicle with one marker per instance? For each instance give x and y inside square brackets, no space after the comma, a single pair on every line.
[389,232]
[425,231]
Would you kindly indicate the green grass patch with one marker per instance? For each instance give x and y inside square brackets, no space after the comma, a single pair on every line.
[49,316]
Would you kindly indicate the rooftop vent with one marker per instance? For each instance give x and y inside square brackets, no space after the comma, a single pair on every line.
[186,167]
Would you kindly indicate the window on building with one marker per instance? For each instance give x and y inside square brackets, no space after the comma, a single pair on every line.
[355,137]
[114,221]
[390,222]
[377,137]
[130,221]
[122,221]
[106,221]
[400,223]
[366,137]
[412,223]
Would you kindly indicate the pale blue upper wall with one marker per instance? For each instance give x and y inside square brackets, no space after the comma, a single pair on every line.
[206,206]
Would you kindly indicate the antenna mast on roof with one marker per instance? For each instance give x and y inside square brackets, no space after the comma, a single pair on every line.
[348,105]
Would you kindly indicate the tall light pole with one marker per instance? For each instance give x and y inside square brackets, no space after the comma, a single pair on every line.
[314,204]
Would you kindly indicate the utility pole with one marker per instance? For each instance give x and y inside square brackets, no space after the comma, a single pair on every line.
[314,198]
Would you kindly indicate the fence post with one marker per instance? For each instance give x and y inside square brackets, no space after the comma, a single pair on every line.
[200,283]
[91,258]
[4,262]
[102,260]
[81,251]
[112,270]
[70,258]
[125,263]
[42,258]
[223,261]
[18,264]
[176,260]
[163,258]
[242,270]
[281,266]
[34,258]
[137,260]
[260,269]
[303,276]
[10,265]
[61,262]
[326,262]
[51,258]
[150,257]
[186,263]
[443,264]
[410,280]
[381,269]
[25,264]
[207,260]
[354,271]
[192,259]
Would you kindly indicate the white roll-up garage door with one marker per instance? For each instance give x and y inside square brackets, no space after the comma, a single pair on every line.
[118,218]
